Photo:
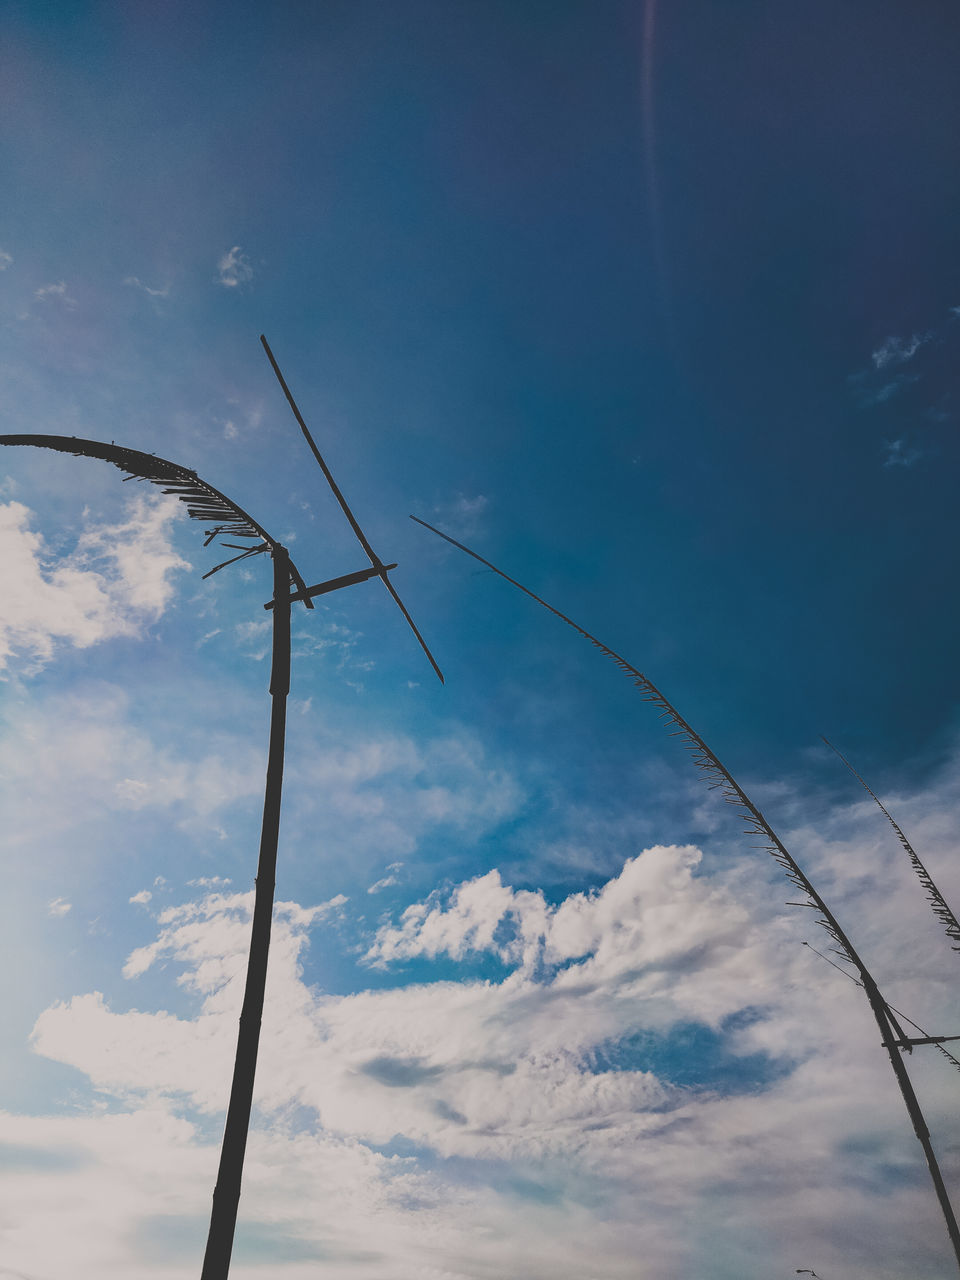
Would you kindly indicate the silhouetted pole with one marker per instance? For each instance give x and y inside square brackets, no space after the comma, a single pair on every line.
[226,1195]
[882,1014]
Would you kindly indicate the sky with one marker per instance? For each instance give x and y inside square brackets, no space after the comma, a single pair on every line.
[655,305]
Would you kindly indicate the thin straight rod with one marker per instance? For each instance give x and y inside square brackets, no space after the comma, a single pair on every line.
[226,1195]
[905,1043]
[361,537]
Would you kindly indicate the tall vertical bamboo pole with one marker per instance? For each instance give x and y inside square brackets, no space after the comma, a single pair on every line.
[226,1195]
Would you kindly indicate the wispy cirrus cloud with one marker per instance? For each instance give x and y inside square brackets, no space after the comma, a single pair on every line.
[898,453]
[462,515]
[234,268]
[892,371]
[136,283]
[58,291]
[388,880]
[895,350]
[870,396]
[6,259]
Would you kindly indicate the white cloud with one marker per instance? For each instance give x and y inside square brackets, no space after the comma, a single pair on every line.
[390,879]
[535,1154]
[114,581]
[385,883]
[643,903]
[887,391]
[58,290]
[78,768]
[143,897]
[543,1127]
[136,283]
[379,796]
[234,268]
[257,634]
[897,453]
[5,259]
[58,907]
[898,350]
[461,515]
[332,639]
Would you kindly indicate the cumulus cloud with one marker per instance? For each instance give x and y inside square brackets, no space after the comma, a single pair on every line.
[234,268]
[898,350]
[538,1113]
[115,580]
[142,898]
[655,1069]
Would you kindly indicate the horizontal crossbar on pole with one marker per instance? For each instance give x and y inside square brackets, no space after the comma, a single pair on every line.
[334,584]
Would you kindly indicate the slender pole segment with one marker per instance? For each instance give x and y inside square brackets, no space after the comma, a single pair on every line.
[881,1012]
[374,559]
[226,1195]
[413,627]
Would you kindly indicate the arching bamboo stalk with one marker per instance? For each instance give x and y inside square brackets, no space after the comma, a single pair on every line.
[721,778]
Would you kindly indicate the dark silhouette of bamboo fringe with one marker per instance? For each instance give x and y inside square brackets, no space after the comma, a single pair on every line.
[891,1033]
[202,500]
[937,901]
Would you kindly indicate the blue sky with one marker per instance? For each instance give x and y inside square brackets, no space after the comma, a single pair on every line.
[657,307]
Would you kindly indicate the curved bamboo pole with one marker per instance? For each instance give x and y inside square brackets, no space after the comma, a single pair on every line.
[704,758]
